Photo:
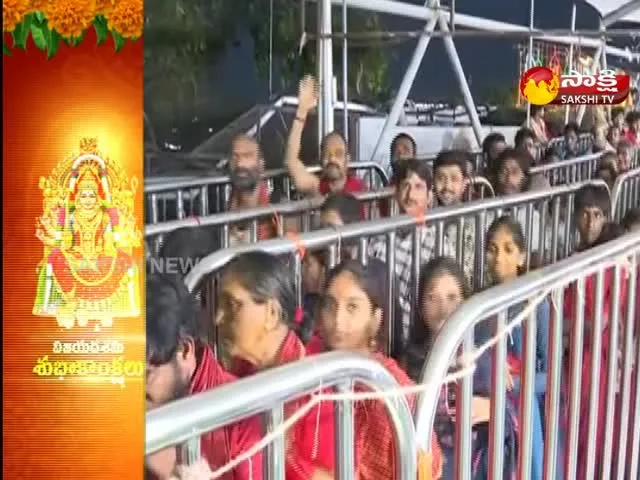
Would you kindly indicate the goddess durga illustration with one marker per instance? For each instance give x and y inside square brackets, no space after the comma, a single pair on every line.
[89,232]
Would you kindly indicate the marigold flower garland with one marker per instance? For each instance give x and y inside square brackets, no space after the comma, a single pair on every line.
[48,22]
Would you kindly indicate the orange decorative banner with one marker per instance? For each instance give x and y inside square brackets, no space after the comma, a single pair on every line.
[73,324]
[50,22]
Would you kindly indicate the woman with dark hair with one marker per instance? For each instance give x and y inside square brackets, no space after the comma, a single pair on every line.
[506,257]
[512,171]
[513,176]
[441,290]
[258,318]
[351,317]
[183,248]
[492,146]
[178,254]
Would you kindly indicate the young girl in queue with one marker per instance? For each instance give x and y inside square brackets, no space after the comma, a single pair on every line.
[258,320]
[350,316]
[506,257]
[442,289]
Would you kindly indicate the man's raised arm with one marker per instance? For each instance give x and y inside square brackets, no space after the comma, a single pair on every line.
[305,182]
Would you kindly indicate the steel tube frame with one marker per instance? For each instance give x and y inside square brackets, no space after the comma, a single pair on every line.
[405,86]
[489,303]
[532,6]
[325,69]
[372,228]
[181,420]
[620,13]
[419,12]
[573,28]
[508,34]
[345,72]
[595,66]
[452,53]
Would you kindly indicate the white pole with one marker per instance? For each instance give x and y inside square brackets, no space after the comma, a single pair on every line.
[326,68]
[595,65]
[573,28]
[407,82]
[452,53]
[603,59]
[270,49]
[345,69]
[531,13]
[320,47]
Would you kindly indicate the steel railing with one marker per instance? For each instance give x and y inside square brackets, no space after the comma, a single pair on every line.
[548,234]
[613,266]
[178,198]
[266,393]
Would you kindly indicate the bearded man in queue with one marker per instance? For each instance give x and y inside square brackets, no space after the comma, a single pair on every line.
[248,190]
[179,365]
[334,154]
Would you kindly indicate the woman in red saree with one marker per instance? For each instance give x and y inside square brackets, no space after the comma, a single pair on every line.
[351,316]
[257,319]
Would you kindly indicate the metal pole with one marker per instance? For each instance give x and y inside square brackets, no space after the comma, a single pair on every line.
[326,68]
[320,46]
[345,73]
[603,61]
[407,82]
[594,67]
[573,29]
[531,16]
[371,36]
[452,53]
[270,49]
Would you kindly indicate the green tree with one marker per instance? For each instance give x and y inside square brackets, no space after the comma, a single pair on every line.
[183,37]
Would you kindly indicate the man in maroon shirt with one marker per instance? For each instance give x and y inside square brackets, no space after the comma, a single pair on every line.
[334,153]
[180,365]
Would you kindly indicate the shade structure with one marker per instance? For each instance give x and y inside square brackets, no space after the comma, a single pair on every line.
[613,11]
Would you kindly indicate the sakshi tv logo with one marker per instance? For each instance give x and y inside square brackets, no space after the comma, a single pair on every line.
[542,86]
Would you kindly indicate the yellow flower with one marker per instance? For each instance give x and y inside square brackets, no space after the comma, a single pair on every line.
[38,5]
[70,17]
[127,18]
[104,7]
[13,12]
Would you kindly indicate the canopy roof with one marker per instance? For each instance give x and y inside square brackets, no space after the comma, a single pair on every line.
[613,11]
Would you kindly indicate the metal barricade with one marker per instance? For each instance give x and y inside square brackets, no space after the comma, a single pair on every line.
[613,268]
[481,186]
[183,197]
[302,211]
[557,144]
[626,194]
[568,171]
[266,393]
[457,231]
[585,142]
